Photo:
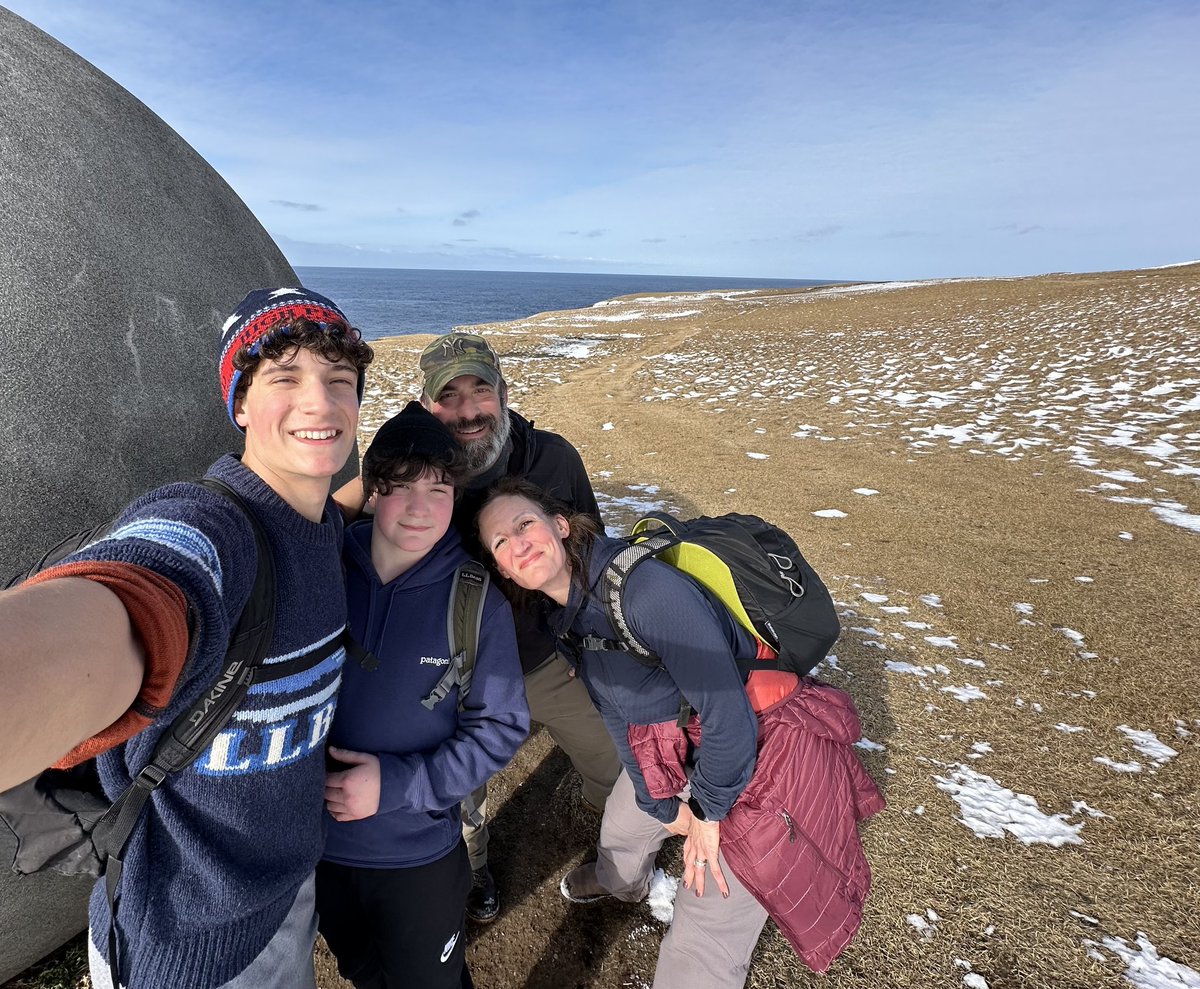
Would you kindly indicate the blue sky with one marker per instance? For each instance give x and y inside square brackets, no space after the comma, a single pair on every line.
[823,139]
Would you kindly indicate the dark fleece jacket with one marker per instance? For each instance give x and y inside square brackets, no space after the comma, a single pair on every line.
[550,462]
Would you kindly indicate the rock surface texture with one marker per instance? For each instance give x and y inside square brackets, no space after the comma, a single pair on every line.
[121,253]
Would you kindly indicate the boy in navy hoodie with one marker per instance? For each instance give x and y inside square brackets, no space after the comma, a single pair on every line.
[393,885]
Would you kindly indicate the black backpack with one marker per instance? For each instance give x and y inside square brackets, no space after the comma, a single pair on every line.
[752,567]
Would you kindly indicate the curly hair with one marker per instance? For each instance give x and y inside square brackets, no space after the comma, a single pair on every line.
[380,474]
[329,341]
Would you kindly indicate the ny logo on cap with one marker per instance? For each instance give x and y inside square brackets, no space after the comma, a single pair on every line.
[454,345]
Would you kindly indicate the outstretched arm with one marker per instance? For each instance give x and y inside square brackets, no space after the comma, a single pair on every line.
[71,664]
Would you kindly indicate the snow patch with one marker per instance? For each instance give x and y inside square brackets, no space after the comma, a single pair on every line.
[925,925]
[661,899]
[990,810]
[1147,743]
[1118,767]
[965,694]
[1145,968]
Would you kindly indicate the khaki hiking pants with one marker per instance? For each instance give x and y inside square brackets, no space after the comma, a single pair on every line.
[561,703]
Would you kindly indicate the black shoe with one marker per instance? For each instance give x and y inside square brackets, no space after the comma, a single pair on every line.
[483,902]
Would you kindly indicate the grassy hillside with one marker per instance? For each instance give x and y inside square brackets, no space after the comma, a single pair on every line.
[999,481]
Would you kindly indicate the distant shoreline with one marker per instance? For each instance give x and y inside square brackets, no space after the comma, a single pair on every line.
[387,302]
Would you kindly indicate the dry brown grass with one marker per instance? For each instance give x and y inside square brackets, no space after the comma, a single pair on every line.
[1056,363]
[1059,363]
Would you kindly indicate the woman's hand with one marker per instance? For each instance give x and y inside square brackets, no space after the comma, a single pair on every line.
[700,856]
[700,850]
[683,821]
[352,794]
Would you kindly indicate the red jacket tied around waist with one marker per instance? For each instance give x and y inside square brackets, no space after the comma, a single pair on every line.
[791,838]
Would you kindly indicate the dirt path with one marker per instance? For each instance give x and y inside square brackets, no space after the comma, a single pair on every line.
[1000,482]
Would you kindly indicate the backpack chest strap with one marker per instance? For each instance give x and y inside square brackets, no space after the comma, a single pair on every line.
[595,643]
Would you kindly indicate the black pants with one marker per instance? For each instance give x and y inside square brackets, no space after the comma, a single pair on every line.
[398,928]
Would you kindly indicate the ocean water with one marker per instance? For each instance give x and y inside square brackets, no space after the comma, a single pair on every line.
[384,302]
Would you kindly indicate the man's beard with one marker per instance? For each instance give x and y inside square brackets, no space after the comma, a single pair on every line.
[483,454]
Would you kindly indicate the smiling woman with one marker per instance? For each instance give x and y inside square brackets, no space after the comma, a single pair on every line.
[527,545]
[775,751]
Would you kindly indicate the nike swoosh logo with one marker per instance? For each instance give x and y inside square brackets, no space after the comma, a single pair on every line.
[449,948]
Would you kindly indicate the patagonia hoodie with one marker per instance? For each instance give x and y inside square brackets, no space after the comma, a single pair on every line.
[429,759]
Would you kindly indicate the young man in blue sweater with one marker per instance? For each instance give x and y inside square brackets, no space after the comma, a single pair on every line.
[392,888]
[103,651]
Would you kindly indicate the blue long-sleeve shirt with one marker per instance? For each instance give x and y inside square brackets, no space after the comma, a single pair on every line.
[698,642]
[429,760]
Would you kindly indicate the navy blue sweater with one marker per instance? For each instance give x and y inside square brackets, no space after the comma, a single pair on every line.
[698,641]
[215,863]
[429,760]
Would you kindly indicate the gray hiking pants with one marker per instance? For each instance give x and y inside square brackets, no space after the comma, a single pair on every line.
[711,938]
[285,963]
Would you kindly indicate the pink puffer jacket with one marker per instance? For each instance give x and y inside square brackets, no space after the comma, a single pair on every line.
[792,836]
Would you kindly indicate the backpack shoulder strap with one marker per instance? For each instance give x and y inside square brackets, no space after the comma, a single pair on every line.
[466,603]
[356,652]
[192,731]
[464,616]
[616,575]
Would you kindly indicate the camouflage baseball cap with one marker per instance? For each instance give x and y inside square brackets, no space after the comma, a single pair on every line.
[454,354]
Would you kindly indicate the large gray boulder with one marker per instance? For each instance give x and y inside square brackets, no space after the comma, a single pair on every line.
[121,253]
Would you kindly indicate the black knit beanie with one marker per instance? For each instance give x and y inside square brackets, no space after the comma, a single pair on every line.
[412,432]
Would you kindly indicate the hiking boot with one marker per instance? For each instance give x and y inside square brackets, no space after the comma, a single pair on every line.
[580,885]
[483,902]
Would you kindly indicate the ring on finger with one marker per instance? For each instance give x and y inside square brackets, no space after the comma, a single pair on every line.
[700,863]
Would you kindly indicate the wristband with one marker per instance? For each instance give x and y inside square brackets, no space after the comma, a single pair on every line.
[696,809]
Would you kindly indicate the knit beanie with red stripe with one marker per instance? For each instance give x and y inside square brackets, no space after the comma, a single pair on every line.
[266,313]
